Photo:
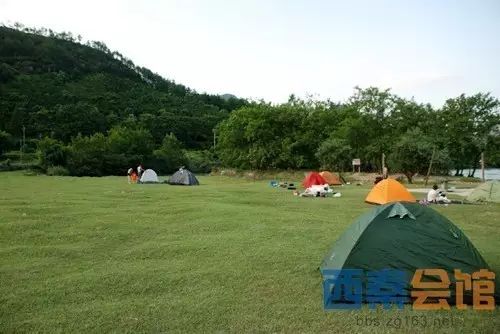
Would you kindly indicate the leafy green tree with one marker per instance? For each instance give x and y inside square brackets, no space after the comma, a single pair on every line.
[413,152]
[136,143]
[170,156]
[200,161]
[334,154]
[5,141]
[87,155]
[467,123]
[51,152]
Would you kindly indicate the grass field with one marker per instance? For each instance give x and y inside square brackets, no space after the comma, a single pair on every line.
[98,254]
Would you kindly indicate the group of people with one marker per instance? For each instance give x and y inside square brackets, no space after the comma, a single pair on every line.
[323,190]
[133,177]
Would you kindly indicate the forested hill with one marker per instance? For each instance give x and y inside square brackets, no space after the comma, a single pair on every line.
[56,86]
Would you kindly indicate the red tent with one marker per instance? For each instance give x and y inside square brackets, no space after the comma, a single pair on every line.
[312,179]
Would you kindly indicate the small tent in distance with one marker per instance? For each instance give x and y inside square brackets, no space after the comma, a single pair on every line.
[389,190]
[407,237]
[312,179]
[149,176]
[183,177]
[487,192]
[330,178]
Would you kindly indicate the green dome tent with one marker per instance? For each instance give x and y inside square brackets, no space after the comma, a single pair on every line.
[404,236]
[487,192]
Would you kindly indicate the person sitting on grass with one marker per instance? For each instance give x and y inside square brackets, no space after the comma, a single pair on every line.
[433,194]
[442,198]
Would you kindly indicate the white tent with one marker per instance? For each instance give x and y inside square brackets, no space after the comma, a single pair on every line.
[149,175]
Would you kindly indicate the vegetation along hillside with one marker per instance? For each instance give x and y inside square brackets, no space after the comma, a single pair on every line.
[57,87]
[89,111]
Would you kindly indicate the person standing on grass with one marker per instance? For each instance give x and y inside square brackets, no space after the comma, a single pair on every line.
[432,195]
[140,170]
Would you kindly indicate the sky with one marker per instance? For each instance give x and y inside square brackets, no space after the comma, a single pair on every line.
[422,49]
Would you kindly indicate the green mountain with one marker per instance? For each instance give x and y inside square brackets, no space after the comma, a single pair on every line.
[56,86]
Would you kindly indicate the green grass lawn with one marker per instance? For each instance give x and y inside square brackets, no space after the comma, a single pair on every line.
[98,254]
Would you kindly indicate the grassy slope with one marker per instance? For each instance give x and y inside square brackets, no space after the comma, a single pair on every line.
[94,254]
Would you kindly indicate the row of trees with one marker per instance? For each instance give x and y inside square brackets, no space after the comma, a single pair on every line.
[113,153]
[102,113]
[310,134]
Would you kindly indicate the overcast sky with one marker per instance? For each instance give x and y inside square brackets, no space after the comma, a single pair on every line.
[429,50]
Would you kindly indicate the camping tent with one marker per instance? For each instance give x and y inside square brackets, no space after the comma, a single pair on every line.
[149,175]
[183,177]
[330,178]
[403,236]
[389,190]
[487,192]
[312,179]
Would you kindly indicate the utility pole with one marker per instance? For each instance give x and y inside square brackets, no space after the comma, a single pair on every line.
[482,166]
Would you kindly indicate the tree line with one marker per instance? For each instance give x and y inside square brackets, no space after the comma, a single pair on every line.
[322,134]
[87,110]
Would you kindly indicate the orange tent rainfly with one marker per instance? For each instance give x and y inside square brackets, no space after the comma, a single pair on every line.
[330,178]
[312,179]
[387,191]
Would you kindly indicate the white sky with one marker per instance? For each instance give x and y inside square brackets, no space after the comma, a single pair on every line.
[431,50]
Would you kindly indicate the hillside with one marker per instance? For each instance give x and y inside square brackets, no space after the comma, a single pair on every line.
[56,86]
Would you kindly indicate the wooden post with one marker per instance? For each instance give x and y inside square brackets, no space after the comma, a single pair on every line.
[383,163]
[430,165]
[482,166]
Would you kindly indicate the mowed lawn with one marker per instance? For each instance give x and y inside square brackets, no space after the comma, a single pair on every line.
[228,256]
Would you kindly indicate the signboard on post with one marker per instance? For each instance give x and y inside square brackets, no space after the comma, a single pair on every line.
[356,162]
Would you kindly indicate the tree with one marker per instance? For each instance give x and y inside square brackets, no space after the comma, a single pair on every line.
[51,152]
[412,154]
[87,155]
[467,124]
[5,141]
[334,154]
[170,156]
[200,161]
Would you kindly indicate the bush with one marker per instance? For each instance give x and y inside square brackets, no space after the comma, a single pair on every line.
[51,152]
[57,171]
[334,154]
[87,155]
[5,141]
[170,156]
[8,165]
[200,161]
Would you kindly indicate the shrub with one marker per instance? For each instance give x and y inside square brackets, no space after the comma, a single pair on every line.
[57,171]
[51,152]
[170,156]
[334,154]
[200,161]
[87,155]
[5,141]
